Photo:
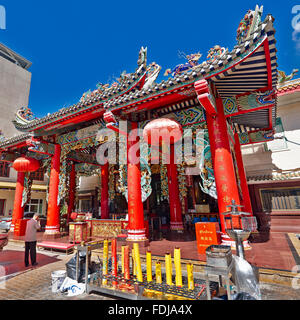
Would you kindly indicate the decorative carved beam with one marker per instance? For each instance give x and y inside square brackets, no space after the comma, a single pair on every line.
[248,102]
[83,158]
[40,146]
[257,136]
[205,96]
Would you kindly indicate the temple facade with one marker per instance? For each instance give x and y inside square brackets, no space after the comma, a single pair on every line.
[106,153]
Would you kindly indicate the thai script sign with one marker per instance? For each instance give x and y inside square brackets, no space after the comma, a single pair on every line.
[207,234]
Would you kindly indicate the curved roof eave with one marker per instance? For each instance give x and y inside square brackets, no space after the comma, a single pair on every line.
[207,70]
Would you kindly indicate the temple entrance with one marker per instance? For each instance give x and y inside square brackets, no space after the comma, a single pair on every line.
[157,208]
[199,206]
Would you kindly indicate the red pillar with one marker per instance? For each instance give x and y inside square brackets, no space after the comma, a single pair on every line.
[72,186]
[104,192]
[222,161]
[53,223]
[18,212]
[136,228]
[174,200]
[242,174]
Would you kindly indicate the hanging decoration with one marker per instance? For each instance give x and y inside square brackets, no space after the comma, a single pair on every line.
[99,190]
[111,183]
[208,184]
[164,182]
[77,187]
[145,173]
[63,186]
[182,185]
[26,196]
[145,180]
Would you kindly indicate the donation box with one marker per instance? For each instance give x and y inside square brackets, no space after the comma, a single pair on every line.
[207,234]
[78,232]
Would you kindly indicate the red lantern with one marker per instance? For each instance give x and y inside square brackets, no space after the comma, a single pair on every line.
[74,215]
[26,164]
[162,130]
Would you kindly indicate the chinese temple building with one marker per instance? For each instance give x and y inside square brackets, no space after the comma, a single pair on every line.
[219,105]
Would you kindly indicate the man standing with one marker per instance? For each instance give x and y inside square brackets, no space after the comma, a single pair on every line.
[30,240]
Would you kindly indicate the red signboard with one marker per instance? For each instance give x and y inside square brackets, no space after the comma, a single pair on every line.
[207,234]
[20,227]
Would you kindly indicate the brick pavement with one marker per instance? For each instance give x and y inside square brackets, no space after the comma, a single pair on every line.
[35,283]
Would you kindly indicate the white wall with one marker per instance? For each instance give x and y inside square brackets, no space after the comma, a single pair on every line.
[257,161]
[290,158]
[14,94]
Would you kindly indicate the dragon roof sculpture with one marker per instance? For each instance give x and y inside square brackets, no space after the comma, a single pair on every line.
[249,23]
[24,116]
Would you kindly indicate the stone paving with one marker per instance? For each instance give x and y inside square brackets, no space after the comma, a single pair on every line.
[35,284]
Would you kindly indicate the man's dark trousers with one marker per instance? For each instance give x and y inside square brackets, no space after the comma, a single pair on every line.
[30,247]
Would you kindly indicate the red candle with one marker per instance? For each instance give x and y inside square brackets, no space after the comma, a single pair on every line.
[114,262]
[126,263]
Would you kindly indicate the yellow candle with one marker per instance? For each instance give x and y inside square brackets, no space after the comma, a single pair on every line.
[158,272]
[122,259]
[133,262]
[190,268]
[168,261]
[138,262]
[105,260]
[149,266]
[177,262]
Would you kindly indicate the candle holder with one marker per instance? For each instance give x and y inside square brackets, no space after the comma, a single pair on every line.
[237,234]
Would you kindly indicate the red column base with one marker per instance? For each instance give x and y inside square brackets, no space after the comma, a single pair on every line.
[51,232]
[176,226]
[137,235]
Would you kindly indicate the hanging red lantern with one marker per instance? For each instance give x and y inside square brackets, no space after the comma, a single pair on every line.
[25,164]
[162,130]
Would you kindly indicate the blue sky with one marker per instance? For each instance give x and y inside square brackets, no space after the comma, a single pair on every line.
[75,44]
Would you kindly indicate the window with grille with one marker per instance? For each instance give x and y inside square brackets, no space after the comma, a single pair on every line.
[34,205]
[4,169]
[281,199]
[37,175]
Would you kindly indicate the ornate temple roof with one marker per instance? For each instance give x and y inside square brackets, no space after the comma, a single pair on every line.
[250,67]
[289,87]
[4,143]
